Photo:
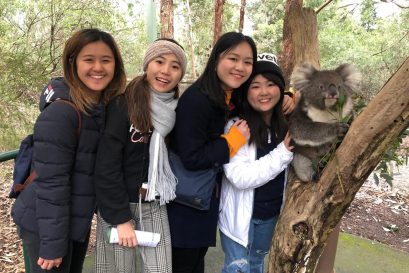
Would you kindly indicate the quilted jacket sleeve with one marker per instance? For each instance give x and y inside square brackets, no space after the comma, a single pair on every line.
[55,144]
[110,185]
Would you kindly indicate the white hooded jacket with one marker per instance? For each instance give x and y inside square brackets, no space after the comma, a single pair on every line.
[241,176]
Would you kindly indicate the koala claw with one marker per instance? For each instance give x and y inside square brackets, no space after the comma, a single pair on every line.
[342,129]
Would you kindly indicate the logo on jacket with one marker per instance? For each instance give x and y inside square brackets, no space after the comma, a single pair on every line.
[138,136]
[49,92]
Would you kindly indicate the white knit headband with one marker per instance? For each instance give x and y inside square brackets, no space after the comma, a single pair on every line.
[161,47]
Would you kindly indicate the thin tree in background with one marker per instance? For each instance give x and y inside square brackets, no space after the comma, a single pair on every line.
[166,19]
[242,8]
[218,19]
[191,44]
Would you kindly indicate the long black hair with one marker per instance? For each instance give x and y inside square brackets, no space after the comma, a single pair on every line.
[209,83]
[258,127]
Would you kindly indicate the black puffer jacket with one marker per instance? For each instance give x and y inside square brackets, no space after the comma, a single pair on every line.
[59,204]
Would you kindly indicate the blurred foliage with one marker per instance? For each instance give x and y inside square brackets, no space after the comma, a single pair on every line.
[202,22]
[267,17]
[32,37]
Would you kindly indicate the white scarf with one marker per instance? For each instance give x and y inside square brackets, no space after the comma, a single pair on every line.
[161,180]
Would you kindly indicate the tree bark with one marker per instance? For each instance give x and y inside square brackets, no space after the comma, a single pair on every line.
[312,210]
[218,19]
[191,46]
[300,37]
[166,18]
[241,22]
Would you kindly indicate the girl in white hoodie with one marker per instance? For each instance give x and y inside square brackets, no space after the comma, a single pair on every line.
[254,182]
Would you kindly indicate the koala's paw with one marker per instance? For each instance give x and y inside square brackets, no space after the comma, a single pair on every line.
[303,168]
[342,129]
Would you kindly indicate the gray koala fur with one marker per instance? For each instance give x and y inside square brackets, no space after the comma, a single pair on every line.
[315,123]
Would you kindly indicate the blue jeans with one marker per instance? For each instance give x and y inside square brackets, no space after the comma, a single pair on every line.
[250,259]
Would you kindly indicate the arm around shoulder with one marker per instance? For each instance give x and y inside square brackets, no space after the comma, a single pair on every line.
[246,172]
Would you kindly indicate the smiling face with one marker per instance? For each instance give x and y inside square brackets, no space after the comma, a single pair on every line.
[234,66]
[263,95]
[164,73]
[95,66]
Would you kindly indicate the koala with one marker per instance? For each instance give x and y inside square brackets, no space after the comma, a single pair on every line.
[315,125]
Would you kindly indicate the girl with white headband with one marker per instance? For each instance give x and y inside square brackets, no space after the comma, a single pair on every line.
[133,177]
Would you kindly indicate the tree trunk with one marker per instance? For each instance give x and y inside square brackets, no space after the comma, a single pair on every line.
[241,22]
[192,49]
[300,37]
[312,210]
[218,19]
[166,18]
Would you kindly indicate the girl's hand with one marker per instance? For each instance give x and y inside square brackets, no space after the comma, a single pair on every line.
[287,142]
[49,264]
[288,105]
[242,126]
[126,235]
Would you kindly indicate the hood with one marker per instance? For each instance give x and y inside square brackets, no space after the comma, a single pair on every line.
[55,89]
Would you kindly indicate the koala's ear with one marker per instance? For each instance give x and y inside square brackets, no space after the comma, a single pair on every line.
[350,75]
[301,76]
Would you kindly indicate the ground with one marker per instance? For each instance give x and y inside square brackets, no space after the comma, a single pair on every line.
[379,213]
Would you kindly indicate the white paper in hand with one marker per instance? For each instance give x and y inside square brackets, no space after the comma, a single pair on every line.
[144,238]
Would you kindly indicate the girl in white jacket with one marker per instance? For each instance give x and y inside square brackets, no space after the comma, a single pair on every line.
[254,182]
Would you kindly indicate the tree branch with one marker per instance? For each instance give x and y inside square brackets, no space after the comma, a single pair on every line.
[322,6]
[396,4]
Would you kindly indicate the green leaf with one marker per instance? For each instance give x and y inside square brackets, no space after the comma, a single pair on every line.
[376,179]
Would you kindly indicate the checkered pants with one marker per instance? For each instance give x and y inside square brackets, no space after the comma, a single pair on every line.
[113,258]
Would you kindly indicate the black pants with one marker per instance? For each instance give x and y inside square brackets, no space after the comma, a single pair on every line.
[71,263]
[188,260]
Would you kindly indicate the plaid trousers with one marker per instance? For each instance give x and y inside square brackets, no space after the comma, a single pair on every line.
[113,258]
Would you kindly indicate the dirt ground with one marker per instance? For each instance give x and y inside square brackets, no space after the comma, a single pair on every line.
[379,213]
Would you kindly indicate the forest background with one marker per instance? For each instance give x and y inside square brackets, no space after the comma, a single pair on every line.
[33,32]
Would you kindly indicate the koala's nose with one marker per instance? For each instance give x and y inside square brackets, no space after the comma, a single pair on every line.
[332,90]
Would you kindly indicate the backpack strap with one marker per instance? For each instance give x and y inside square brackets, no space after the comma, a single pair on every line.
[30,178]
[33,174]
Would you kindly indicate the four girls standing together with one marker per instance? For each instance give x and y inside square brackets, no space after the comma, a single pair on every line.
[106,151]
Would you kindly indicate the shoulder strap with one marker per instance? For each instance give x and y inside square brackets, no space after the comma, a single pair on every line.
[76,110]
[30,178]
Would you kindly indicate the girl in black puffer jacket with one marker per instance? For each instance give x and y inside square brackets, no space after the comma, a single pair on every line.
[54,212]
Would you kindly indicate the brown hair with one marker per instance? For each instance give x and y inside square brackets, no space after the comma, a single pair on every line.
[79,92]
[138,97]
